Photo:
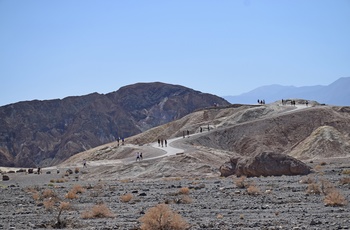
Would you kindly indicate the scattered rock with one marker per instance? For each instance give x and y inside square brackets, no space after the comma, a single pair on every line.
[5,177]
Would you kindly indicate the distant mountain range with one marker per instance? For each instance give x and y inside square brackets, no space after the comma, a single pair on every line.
[337,93]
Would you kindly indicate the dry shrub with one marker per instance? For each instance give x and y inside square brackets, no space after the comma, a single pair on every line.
[346,171]
[184,191]
[72,194]
[219,216]
[335,198]
[345,180]
[36,196]
[161,217]
[307,180]
[326,187]
[323,163]
[52,181]
[318,168]
[253,190]
[78,188]
[76,170]
[62,180]
[313,188]
[49,204]
[65,206]
[240,182]
[47,193]
[126,198]
[185,199]
[97,211]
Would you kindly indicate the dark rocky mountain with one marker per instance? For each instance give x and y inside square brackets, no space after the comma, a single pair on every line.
[337,93]
[44,133]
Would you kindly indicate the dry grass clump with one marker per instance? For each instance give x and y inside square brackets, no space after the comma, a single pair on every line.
[97,211]
[335,198]
[49,204]
[78,188]
[346,171]
[307,180]
[126,197]
[240,182]
[313,188]
[47,193]
[253,190]
[161,217]
[36,195]
[184,191]
[71,195]
[326,187]
[184,199]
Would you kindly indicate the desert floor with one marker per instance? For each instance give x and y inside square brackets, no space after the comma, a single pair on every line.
[31,201]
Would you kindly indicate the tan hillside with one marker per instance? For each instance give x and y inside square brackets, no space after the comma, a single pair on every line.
[325,141]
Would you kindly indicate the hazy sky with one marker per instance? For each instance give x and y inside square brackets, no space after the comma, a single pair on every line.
[54,49]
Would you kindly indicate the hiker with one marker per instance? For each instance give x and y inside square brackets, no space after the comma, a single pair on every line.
[162,142]
[165,142]
[141,156]
[84,163]
[208,128]
[137,156]
[183,134]
[307,103]
[39,170]
[123,141]
[200,129]
[158,142]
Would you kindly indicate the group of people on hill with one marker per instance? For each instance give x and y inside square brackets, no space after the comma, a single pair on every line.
[261,102]
[162,142]
[138,156]
[121,139]
[292,102]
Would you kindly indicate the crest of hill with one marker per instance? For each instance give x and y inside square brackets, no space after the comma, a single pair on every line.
[45,133]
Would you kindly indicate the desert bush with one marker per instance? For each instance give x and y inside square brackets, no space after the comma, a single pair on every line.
[49,204]
[313,188]
[184,199]
[323,163]
[253,190]
[307,180]
[161,217]
[98,211]
[335,198]
[219,216]
[184,190]
[36,195]
[47,193]
[72,194]
[61,180]
[76,170]
[344,180]
[78,188]
[126,197]
[346,171]
[240,182]
[326,186]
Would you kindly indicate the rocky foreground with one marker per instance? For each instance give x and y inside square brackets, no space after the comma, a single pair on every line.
[315,201]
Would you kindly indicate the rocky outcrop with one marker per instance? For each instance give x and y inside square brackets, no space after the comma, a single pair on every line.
[44,133]
[264,164]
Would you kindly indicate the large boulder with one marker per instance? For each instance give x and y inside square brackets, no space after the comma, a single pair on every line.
[264,164]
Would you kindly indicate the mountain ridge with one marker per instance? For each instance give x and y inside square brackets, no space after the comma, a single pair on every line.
[336,93]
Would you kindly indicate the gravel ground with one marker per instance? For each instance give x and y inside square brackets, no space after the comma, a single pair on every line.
[212,203]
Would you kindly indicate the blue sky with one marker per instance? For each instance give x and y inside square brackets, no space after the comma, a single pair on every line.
[54,49]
